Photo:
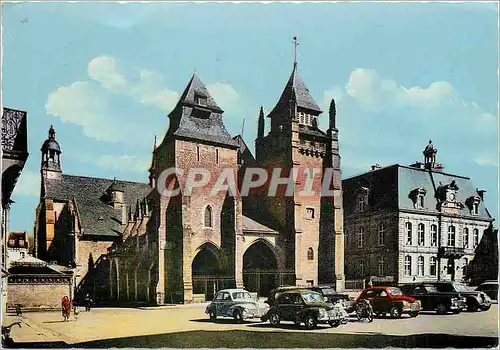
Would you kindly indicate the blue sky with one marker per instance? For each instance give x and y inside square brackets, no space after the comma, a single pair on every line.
[106,74]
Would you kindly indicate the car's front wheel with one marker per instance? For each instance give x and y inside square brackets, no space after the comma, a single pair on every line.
[311,321]
[238,316]
[473,307]
[335,324]
[486,308]
[396,312]
[274,319]
[441,309]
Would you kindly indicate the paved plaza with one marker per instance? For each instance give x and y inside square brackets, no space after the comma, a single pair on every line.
[189,326]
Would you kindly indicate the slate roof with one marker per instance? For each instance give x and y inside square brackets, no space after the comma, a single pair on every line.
[191,120]
[296,87]
[254,226]
[410,178]
[244,152]
[96,217]
[309,130]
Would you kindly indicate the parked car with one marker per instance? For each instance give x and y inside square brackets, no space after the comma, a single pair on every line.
[334,297]
[432,299]
[305,306]
[235,303]
[274,293]
[390,300]
[490,288]
[475,300]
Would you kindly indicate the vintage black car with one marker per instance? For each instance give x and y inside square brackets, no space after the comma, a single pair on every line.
[334,297]
[304,306]
[433,299]
[490,288]
[475,300]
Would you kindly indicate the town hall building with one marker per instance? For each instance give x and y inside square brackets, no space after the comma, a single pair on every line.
[129,243]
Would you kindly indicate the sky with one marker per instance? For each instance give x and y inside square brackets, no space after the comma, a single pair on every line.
[106,75]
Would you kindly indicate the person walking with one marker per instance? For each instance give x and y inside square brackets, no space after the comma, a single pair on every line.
[65,307]
[88,302]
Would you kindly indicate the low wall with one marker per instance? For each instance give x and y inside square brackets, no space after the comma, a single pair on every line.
[37,296]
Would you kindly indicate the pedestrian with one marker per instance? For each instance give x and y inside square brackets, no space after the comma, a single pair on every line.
[65,307]
[88,302]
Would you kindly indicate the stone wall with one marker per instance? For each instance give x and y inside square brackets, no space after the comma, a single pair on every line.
[37,296]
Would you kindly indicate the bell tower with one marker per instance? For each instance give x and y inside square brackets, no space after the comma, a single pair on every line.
[51,157]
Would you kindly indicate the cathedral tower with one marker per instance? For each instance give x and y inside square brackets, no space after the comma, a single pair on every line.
[307,222]
[51,157]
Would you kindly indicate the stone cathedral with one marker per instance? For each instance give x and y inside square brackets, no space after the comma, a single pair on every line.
[127,243]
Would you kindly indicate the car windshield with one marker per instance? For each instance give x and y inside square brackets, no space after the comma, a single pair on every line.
[395,291]
[328,291]
[241,296]
[446,287]
[312,297]
[460,287]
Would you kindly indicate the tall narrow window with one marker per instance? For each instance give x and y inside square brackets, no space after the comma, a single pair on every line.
[420,265]
[381,234]
[408,233]
[310,254]
[466,237]
[451,236]
[465,264]
[407,265]
[381,264]
[361,269]
[346,237]
[475,208]
[421,234]
[198,153]
[475,238]
[421,201]
[208,216]
[216,156]
[361,237]
[433,266]
[434,235]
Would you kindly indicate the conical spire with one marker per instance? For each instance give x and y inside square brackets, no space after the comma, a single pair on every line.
[261,124]
[333,115]
[196,94]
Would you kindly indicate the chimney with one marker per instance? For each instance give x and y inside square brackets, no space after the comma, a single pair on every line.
[481,193]
[376,166]
[124,215]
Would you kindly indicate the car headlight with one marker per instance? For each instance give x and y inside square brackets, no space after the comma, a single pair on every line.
[405,303]
[322,312]
[454,300]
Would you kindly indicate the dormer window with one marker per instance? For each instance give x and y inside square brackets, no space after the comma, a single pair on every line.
[200,100]
[417,196]
[473,204]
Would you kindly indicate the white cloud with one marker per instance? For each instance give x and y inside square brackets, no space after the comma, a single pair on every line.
[28,184]
[124,162]
[371,90]
[224,94]
[489,159]
[103,70]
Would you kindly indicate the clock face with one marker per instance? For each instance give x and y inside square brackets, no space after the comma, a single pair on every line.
[451,196]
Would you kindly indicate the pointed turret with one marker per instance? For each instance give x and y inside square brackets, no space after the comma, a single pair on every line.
[198,117]
[261,124]
[332,115]
[152,169]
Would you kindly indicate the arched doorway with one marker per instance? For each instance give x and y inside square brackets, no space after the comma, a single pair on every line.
[260,268]
[205,268]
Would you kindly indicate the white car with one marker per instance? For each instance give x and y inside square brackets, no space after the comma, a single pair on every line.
[236,303]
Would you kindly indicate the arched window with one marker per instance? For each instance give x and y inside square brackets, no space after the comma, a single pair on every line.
[407,265]
[434,235]
[466,237]
[208,216]
[408,233]
[421,234]
[433,266]
[310,254]
[420,265]
[451,236]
